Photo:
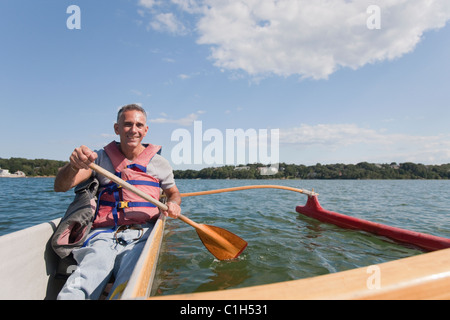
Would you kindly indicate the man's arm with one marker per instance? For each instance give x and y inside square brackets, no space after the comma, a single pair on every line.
[173,202]
[68,177]
[76,171]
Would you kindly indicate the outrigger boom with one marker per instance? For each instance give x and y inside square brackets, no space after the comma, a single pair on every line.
[263,186]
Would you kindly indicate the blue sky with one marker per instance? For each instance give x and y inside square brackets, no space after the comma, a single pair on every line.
[338,91]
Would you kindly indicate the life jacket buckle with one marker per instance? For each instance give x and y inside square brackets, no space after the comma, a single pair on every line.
[122,204]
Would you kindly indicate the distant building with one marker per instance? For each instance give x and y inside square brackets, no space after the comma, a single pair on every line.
[4,173]
[242,168]
[267,171]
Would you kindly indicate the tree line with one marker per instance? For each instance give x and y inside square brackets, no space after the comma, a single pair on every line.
[362,170]
[32,168]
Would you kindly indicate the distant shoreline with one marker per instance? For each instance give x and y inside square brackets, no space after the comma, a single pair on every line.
[32,168]
[13,177]
[27,177]
[338,171]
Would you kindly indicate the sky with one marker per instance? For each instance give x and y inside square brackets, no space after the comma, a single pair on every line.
[341,81]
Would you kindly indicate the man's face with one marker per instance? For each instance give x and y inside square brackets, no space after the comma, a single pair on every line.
[132,128]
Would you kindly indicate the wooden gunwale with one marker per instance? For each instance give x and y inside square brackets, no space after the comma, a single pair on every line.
[140,283]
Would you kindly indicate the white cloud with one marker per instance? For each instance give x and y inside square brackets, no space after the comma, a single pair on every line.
[350,140]
[136,92]
[330,135]
[186,121]
[167,22]
[190,6]
[183,76]
[147,3]
[311,39]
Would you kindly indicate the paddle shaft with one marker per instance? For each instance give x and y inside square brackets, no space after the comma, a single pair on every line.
[140,193]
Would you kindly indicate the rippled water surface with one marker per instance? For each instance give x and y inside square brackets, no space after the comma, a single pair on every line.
[25,202]
[282,244]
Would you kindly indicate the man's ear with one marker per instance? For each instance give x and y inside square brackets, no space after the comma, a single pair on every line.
[116,128]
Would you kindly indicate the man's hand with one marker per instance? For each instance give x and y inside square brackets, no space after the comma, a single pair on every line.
[81,158]
[173,202]
[76,171]
[174,210]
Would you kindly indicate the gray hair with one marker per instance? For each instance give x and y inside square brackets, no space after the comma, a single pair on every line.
[129,107]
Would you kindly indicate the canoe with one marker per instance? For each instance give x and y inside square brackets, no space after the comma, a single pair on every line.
[424,241]
[28,265]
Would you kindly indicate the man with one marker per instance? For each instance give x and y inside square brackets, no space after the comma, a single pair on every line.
[113,249]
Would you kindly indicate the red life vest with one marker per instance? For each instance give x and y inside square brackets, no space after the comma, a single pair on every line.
[118,206]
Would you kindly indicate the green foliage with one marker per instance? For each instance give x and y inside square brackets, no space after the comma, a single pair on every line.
[362,170]
[32,168]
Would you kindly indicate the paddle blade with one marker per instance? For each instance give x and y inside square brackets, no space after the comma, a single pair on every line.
[223,244]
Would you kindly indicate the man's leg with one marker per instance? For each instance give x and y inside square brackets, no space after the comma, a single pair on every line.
[95,265]
[128,257]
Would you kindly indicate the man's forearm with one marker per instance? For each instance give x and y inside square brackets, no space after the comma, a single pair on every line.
[176,198]
[68,177]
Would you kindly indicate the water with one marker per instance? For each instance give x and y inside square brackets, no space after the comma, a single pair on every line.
[25,202]
[283,245]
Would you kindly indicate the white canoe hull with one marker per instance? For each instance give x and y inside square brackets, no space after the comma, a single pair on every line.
[28,264]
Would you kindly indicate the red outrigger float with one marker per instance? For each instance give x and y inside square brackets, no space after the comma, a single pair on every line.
[314,210]
[425,241]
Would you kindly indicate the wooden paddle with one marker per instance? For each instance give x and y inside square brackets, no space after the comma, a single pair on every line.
[223,244]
